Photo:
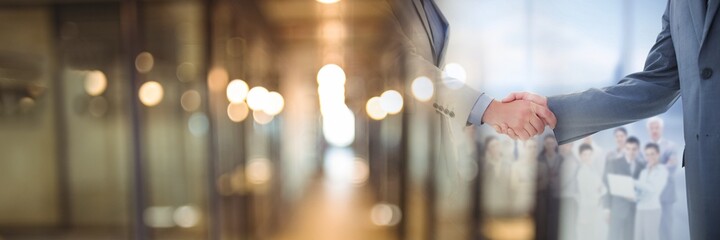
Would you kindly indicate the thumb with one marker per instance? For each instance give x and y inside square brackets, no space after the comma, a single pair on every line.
[546,115]
[537,99]
[513,96]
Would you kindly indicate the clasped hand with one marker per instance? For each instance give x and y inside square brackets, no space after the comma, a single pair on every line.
[520,115]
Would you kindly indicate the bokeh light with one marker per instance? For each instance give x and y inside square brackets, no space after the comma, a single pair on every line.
[328,1]
[275,103]
[261,117]
[456,71]
[257,98]
[217,79]
[422,88]
[338,165]
[26,104]
[159,217]
[331,95]
[144,62]
[186,72]
[454,75]
[237,91]
[151,93]
[237,112]
[95,83]
[186,216]
[258,171]
[391,101]
[361,171]
[331,74]
[237,180]
[384,214]
[190,100]
[198,124]
[374,109]
[339,127]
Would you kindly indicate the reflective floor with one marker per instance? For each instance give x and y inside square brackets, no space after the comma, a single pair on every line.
[326,214]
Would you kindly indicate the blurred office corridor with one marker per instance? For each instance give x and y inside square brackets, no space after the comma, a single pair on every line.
[294,119]
[324,216]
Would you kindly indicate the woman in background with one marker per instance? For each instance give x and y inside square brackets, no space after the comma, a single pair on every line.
[590,192]
[496,179]
[524,177]
[650,185]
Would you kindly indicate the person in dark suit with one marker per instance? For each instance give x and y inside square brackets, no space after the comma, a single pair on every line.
[547,199]
[622,210]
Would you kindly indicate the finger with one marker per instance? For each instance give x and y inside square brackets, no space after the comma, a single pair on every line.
[513,96]
[523,134]
[538,124]
[511,134]
[535,121]
[540,100]
[530,130]
[547,116]
[504,127]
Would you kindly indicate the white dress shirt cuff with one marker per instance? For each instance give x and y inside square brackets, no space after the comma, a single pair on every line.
[478,110]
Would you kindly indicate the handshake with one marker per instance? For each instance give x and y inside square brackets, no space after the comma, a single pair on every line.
[520,115]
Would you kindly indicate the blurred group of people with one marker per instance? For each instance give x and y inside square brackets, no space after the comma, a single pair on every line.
[566,188]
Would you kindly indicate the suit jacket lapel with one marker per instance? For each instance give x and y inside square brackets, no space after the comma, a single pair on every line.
[697,13]
[423,17]
[712,9]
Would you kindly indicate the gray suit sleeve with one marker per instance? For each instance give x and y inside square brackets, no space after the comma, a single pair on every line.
[637,96]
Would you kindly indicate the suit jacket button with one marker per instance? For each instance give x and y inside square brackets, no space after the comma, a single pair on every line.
[435,105]
[706,73]
[452,114]
[447,112]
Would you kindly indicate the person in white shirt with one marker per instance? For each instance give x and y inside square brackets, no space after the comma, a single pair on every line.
[524,177]
[496,179]
[649,186]
[655,128]
[590,192]
[568,191]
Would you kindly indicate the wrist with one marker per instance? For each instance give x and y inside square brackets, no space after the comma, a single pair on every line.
[490,115]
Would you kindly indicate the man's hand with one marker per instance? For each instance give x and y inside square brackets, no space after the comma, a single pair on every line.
[519,119]
[540,107]
[528,96]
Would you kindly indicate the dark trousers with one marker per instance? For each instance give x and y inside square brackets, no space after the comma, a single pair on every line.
[621,227]
[546,216]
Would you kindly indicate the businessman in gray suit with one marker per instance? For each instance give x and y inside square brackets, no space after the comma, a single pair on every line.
[685,61]
[623,210]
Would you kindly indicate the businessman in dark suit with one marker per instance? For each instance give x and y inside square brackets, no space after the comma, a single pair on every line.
[622,210]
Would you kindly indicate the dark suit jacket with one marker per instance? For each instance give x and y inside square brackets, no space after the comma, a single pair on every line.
[622,207]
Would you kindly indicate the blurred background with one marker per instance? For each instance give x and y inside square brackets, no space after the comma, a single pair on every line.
[296,119]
